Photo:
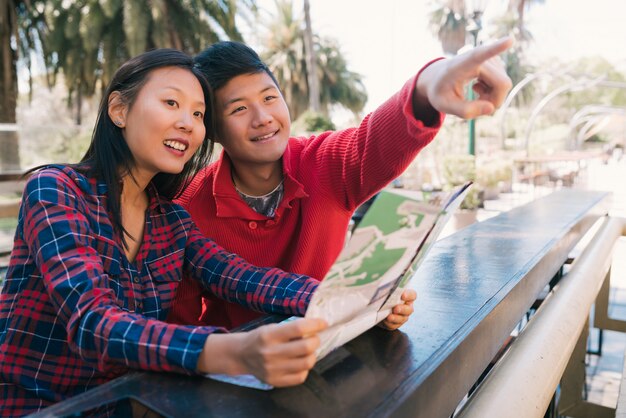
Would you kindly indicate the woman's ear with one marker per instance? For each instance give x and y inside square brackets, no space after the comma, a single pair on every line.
[117,109]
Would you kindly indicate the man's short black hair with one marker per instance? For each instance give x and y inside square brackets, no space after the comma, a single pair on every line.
[225,60]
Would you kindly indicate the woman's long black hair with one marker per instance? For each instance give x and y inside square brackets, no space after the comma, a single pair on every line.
[109,158]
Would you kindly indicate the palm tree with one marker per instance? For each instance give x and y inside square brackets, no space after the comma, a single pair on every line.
[520,6]
[286,56]
[341,86]
[86,40]
[314,95]
[91,38]
[448,23]
[513,22]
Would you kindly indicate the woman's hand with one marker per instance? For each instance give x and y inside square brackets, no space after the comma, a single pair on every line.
[278,354]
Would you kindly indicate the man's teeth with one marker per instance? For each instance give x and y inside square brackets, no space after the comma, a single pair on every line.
[261,138]
[176,145]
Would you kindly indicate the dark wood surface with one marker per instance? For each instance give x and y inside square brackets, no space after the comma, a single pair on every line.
[13,176]
[472,290]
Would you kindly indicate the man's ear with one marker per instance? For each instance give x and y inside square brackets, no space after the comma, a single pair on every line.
[117,109]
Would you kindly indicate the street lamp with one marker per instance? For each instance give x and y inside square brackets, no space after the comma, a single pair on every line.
[474,25]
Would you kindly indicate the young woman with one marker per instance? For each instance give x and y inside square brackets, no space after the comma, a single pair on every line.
[100,250]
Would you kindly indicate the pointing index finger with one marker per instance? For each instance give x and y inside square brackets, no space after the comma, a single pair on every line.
[484,52]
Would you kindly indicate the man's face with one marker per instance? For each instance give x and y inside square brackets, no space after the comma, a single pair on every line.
[253,120]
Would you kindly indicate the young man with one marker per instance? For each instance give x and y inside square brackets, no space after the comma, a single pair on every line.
[286,202]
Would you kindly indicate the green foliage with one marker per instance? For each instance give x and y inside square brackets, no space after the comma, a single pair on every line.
[88,39]
[459,169]
[490,173]
[596,68]
[472,199]
[596,139]
[285,55]
[448,22]
[137,33]
[313,122]
[110,7]
[341,85]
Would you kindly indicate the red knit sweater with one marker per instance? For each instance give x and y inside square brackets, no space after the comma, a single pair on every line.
[326,178]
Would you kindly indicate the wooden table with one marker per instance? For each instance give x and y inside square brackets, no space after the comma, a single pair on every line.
[472,291]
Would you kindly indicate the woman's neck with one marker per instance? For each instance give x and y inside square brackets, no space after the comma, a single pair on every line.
[258,182]
[133,206]
[134,189]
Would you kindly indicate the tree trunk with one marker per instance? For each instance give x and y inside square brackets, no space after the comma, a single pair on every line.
[9,146]
[520,15]
[311,61]
[79,103]
[452,33]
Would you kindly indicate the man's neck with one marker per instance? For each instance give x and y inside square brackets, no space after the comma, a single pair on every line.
[259,181]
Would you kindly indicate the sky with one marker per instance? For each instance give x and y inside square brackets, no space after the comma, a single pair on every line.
[387,45]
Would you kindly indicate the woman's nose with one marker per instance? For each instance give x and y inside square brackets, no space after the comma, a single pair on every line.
[185,121]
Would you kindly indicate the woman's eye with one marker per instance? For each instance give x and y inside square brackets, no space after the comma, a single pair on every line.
[171,102]
[199,115]
[268,98]
[239,109]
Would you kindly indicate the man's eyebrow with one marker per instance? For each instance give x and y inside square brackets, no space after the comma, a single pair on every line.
[270,86]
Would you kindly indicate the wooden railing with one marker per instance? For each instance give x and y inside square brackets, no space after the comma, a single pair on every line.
[473,290]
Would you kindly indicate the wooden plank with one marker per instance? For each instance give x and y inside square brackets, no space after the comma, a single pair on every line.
[13,175]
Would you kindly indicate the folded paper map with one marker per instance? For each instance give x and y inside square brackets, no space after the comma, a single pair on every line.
[378,261]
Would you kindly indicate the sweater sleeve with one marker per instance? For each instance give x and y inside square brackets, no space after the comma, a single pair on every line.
[231,278]
[353,164]
[98,329]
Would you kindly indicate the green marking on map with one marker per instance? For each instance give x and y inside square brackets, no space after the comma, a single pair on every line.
[378,264]
[384,214]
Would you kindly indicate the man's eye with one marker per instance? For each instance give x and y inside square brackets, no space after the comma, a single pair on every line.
[269,98]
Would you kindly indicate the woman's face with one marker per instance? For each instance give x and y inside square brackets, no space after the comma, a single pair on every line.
[165,125]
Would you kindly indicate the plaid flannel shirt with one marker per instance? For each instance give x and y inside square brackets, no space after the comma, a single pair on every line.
[75,313]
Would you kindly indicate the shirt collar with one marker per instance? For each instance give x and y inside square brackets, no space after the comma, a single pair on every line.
[155,200]
[228,202]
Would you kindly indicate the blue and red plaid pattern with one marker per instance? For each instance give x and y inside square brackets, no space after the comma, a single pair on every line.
[75,313]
